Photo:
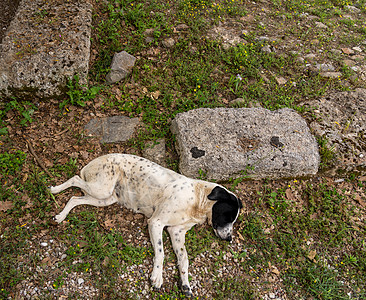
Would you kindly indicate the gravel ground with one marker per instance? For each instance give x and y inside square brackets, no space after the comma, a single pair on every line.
[135,278]
[8,9]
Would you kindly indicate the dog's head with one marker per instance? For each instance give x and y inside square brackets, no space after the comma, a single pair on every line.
[224,212]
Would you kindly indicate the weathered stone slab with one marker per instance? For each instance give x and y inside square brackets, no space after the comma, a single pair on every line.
[341,120]
[46,43]
[121,67]
[112,129]
[227,143]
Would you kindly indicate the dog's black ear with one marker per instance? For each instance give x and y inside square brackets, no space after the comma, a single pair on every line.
[240,204]
[218,193]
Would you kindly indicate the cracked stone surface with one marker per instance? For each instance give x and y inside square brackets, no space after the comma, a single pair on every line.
[46,43]
[112,129]
[226,143]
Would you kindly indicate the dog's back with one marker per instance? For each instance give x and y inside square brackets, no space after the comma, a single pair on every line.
[138,183]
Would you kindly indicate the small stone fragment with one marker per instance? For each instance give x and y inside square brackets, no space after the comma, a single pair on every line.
[121,67]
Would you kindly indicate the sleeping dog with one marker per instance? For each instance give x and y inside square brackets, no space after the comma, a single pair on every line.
[165,197]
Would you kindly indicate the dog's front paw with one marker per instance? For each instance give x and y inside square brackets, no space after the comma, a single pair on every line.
[156,279]
[185,288]
[187,291]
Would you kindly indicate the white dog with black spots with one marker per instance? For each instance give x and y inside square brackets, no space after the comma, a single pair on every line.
[165,197]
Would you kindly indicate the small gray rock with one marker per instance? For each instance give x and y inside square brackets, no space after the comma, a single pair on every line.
[122,65]
[169,43]
[353,9]
[237,102]
[320,25]
[155,151]
[325,67]
[266,49]
[332,75]
[182,27]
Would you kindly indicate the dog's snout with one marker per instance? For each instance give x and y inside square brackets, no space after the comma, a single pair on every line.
[229,238]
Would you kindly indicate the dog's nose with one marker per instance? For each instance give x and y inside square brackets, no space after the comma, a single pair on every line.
[229,238]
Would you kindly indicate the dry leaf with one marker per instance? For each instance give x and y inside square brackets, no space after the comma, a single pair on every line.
[275,270]
[26,199]
[155,95]
[105,261]
[4,206]
[314,216]
[109,223]
[290,195]
[359,199]
[312,254]
[240,236]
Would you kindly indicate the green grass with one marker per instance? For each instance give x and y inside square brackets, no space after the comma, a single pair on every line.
[197,71]
[23,111]
[287,233]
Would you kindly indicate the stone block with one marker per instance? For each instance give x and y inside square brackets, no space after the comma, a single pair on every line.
[46,43]
[226,143]
[112,129]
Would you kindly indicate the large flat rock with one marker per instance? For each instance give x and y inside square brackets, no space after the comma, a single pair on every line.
[226,143]
[112,129]
[46,43]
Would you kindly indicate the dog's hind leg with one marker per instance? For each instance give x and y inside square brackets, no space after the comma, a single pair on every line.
[74,181]
[177,236]
[96,189]
[88,200]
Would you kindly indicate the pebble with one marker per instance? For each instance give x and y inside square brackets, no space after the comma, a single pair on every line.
[358,49]
[80,281]
[169,43]
[347,51]
[44,244]
[333,75]
[325,67]
[320,25]
[267,49]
